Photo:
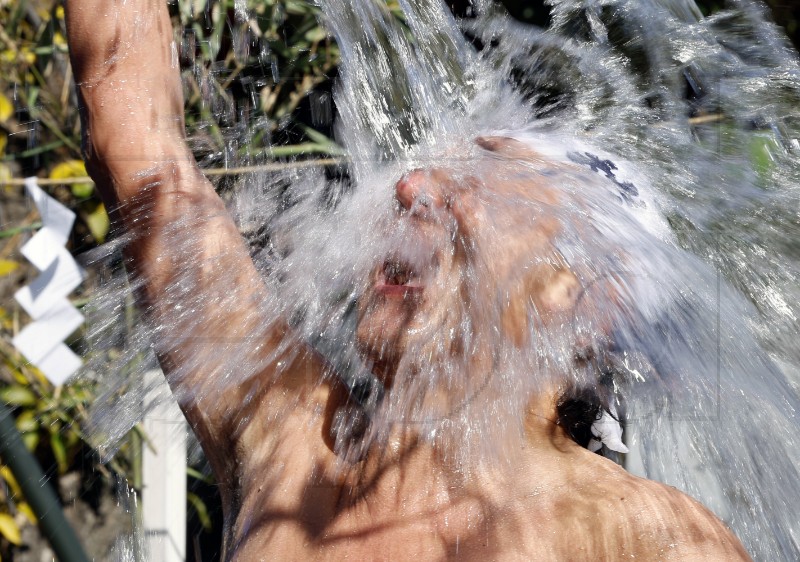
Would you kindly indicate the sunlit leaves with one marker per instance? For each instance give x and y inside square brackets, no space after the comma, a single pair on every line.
[6,108]
[5,174]
[97,220]
[763,146]
[17,396]
[92,211]
[8,266]
[9,529]
[58,447]
[73,169]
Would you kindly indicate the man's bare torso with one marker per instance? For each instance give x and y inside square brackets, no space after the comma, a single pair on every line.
[553,500]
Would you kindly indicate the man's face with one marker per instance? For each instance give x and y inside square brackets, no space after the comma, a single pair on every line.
[473,253]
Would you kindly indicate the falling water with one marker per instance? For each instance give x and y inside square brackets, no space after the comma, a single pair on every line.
[667,142]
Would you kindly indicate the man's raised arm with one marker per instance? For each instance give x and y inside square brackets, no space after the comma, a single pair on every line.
[191,269]
[125,65]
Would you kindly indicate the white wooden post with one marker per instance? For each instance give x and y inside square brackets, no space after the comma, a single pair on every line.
[164,477]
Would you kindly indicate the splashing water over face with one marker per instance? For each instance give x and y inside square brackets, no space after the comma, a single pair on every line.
[626,221]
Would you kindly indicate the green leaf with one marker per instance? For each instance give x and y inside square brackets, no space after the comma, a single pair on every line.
[297,8]
[27,421]
[315,35]
[317,137]
[82,190]
[17,229]
[31,440]
[194,473]
[98,223]
[762,147]
[9,529]
[59,449]
[71,438]
[201,509]
[18,396]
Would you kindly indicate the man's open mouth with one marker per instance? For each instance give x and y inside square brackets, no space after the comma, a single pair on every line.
[398,277]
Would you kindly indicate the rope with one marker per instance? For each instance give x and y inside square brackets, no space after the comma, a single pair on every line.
[213,172]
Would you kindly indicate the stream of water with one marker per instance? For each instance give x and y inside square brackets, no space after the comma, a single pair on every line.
[671,144]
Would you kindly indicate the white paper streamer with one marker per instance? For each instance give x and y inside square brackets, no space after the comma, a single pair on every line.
[607,431]
[45,299]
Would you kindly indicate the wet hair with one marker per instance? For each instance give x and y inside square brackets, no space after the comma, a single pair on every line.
[580,405]
[577,409]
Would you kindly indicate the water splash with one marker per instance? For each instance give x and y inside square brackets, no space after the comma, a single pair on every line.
[666,147]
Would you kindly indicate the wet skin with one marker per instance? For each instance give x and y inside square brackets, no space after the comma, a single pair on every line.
[268,440]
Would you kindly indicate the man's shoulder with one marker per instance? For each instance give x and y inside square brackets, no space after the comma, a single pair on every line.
[693,531]
[653,520]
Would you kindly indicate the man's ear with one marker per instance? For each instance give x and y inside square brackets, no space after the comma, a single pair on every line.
[551,295]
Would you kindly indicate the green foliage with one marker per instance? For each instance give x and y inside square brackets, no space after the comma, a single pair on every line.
[49,420]
[200,508]
[246,73]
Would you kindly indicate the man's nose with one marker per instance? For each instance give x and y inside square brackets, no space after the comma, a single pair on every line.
[417,188]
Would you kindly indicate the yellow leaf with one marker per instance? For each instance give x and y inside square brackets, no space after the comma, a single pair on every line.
[60,12]
[27,55]
[8,476]
[73,169]
[19,378]
[6,107]
[5,174]
[68,169]
[9,529]
[26,510]
[7,266]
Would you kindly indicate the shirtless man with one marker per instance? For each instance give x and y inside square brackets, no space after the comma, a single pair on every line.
[271,440]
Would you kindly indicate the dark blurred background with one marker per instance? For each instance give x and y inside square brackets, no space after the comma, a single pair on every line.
[785,13]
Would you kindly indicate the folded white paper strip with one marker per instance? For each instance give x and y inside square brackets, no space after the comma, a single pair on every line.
[45,299]
[607,431]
